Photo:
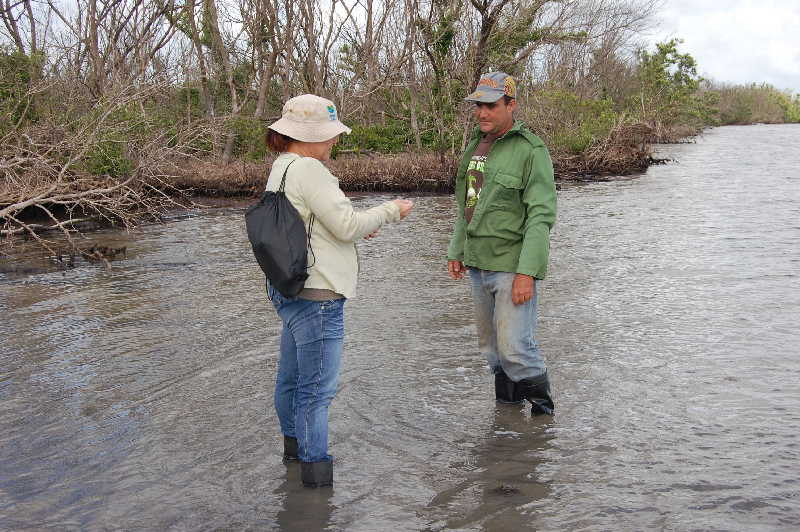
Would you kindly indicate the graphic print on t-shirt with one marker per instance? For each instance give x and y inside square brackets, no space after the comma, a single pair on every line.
[476,166]
[475,171]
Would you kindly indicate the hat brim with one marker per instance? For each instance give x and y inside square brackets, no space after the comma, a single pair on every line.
[485,96]
[309,131]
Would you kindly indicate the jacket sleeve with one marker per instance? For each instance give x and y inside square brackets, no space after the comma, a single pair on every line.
[333,209]
[455,251]
[539,200]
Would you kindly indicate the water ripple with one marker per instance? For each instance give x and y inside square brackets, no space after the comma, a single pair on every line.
[141,397]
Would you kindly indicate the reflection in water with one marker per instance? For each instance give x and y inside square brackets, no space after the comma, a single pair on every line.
[140,397]
[302,508]
[500,481]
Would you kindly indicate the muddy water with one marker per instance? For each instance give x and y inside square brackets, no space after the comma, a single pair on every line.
[139,398]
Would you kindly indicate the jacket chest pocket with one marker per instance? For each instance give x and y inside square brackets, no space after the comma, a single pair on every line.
[507,189]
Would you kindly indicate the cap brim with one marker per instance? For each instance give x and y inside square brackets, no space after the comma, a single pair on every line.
[308,131]
[484,96]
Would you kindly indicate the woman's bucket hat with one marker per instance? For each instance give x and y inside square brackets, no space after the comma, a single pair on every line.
[309,118]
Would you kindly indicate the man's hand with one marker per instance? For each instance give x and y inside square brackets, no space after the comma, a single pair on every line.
[522,289]
[456,269]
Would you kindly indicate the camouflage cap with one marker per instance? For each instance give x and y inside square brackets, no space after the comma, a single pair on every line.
[492,87]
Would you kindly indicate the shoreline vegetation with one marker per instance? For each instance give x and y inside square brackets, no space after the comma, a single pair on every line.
[115,114]
[407,172]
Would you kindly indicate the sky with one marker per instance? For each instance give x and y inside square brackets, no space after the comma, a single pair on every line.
[737,41]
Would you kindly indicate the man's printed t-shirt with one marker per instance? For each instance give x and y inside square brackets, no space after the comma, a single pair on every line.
[475,174]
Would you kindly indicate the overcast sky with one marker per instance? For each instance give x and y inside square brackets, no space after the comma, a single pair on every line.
[737,41]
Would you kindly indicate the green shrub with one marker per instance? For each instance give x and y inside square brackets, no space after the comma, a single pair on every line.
[393,137]
[571,123]
[16,74]
[789,105]
[108,158]
[250,137]
[668,86]
[746,104]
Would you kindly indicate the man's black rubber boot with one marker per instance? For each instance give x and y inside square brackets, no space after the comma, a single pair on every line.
[505,390]
[537,391]
[316,474]
[290,449]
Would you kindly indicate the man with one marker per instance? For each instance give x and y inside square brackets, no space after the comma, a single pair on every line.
[506,206]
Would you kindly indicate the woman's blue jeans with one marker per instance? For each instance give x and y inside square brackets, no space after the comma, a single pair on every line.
[308,370]
[506,332]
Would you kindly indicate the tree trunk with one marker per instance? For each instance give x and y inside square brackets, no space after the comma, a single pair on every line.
[222,57]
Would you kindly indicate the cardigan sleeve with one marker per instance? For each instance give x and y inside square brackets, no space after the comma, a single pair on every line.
[329,205]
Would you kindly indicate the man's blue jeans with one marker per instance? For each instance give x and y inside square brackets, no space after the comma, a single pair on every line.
[506,332]
[308,370]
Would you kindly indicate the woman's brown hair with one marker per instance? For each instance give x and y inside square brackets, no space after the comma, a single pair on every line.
[278,142]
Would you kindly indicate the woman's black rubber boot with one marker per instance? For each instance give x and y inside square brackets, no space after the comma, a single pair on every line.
[316,474]
[537,391]
[506,390]
[290,449]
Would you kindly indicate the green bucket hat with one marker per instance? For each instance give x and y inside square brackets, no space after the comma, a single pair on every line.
[492,87]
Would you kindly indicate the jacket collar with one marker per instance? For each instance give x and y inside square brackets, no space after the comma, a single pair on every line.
[515,129]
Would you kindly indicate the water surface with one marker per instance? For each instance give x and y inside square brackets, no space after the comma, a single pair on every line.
[140,397]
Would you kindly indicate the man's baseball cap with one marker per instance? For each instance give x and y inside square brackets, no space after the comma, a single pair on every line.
[492,87]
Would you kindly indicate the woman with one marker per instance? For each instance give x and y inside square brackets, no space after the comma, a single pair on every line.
[313,322]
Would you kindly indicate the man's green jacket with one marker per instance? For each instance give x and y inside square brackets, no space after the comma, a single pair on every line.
[510,227]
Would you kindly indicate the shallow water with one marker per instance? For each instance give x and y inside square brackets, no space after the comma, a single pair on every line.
[140,397]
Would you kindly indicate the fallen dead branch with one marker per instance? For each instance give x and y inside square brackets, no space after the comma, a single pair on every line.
[46,186]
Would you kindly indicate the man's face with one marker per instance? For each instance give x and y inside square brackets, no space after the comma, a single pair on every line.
[495,118]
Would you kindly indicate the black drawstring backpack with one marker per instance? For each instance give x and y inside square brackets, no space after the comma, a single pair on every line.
[279,239]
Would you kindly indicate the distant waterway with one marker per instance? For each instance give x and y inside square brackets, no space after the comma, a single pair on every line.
[140,397]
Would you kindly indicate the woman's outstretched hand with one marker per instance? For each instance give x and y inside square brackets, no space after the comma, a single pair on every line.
[405,207]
